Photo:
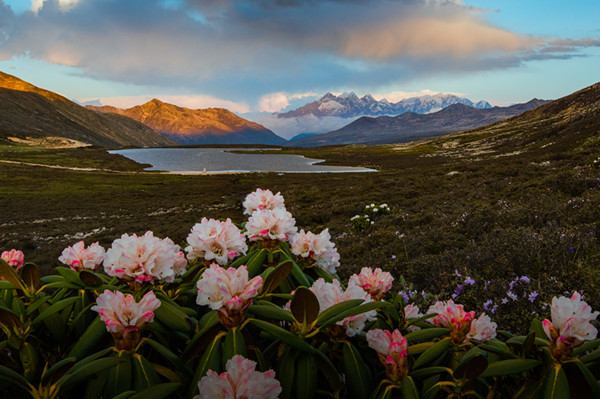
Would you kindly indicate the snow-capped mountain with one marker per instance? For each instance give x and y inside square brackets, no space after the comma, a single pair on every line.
[349,105]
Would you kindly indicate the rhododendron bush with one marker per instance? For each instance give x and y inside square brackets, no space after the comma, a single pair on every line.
[258,311]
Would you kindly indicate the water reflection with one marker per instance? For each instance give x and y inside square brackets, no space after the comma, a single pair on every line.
[220,160]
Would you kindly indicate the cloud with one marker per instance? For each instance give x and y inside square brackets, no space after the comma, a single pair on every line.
[290,127]
[396,96]
[275,102]
[269,48]
[187,101]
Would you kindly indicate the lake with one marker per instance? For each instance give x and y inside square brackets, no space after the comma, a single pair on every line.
[220,160]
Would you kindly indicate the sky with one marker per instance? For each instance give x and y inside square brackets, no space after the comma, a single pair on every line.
[254,56]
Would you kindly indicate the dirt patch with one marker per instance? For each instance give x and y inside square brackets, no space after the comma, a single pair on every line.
[49,142]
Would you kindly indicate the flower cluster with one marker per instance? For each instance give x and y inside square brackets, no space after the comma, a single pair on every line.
[240,381]
[229,291]
[217,241]
[330,294]
[317,249]
[262,200]
[271,224]
[78,257]
[14,258]
[463,325]
[372,211]
[570,324]
[124,317]
[375,283]
[391,347]
[145,258]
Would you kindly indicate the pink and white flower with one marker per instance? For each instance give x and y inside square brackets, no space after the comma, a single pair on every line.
[145,258]
[570,325]
[330,294]
[78,257]
[262,199]
[229,291]
[217,241]
[316,248]
[412,311]
[392,351]
[482,329]
[266,224]
[124,317]
[14,258]
[460,323]
[240,381]
[376,283]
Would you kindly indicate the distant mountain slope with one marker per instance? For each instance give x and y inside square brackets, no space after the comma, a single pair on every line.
[411,126]
[28,110]
[571,122]
[196,126]
[349,105]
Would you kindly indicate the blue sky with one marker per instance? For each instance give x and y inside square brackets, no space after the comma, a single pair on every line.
[264,55]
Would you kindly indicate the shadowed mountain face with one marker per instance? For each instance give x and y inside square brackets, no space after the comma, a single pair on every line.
[27,110]
[411,126]
[196,126]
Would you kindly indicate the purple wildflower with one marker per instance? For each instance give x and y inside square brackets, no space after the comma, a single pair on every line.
[469,281]
[525,279]
[532,296]
[457,273]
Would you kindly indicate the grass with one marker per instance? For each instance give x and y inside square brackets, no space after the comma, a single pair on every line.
[536,214]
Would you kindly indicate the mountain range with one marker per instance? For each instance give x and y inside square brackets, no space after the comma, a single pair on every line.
[412,126]
[29,111]
[349,105]
[195,126]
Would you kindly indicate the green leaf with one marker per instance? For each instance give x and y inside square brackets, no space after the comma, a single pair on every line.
[242,260]
[234,344]
[471,365]
[419,348]
[30,276]
[299,275]
[271,312]
[365,307]
[144,375]
[538,328]
[255,264]
[36,305]
[58,370]
[557,385]
[327,369]
[120,377]
[434,352]
[358,375]
[9,274]
[158,391]
[283,335]
[6,285]
[272,281]
[409,388]
[306,376]
[429,371]
[69,275]
[15,378]
[336,309]
[172,316]
[510,366]
[79,374]
[52,309]
[304,307]
[168,355]
[586,347]
[90,278]
[90,338]
[211,360]
[9,319]
[30,361]
[591,357]
[426,334]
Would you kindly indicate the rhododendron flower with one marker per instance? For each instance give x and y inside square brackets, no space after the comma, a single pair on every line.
[459,322]
[330,294]
[240,381]
[412,311]
[376,283]
[145,258]
[482,329]
[262,199]
[570,325]
[392,351]
[78,257]
[124,317]
[228,291]
[276,224]
[216,241]
[14,258]
[316,248]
